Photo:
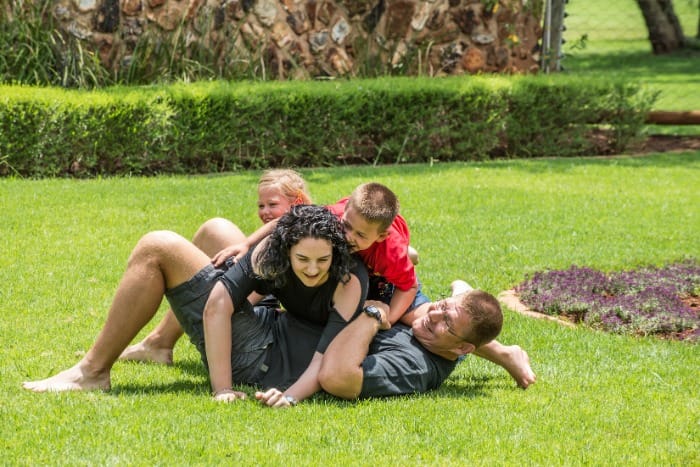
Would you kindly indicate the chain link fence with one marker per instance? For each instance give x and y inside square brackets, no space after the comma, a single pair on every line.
[602,36]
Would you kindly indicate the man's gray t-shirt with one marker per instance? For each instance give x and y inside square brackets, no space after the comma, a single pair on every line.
[397,364]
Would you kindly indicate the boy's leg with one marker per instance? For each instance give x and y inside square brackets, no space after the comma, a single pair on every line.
[511,357]
[160,261]
[157,347]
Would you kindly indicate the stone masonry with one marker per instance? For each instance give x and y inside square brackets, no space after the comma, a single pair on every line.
[320,38]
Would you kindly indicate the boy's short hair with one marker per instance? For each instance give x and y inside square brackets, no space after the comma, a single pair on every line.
[485,316]
[375,203]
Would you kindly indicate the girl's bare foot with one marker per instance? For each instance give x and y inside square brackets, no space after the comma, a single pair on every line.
[142,352]
[72,379]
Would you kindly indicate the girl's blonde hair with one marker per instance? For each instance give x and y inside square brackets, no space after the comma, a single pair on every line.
[289,182]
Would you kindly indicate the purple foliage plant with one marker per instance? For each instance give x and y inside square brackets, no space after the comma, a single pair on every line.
[644,301]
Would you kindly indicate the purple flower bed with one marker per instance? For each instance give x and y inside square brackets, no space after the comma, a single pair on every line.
[645,301]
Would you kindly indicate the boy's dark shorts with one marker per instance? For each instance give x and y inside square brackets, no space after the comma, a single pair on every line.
[251,329]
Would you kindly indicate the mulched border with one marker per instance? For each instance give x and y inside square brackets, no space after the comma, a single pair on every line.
[510,299]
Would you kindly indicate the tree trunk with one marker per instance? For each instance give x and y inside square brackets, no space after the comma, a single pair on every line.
[665,32]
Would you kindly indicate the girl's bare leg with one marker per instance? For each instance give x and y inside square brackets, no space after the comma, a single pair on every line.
[157,347]
[160,260]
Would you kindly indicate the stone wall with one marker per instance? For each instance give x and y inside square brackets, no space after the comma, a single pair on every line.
[312,38]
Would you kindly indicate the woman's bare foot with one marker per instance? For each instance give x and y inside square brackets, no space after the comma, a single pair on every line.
[142,352]
[72,379]
[517,364]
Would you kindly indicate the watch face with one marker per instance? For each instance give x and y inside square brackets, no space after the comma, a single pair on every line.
[374,312]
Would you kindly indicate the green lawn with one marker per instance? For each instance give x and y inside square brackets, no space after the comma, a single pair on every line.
[618,45]
[599,400]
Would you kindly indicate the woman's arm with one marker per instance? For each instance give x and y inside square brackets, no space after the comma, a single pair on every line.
[217,343]
[306,386]
[346,299]
[341,372]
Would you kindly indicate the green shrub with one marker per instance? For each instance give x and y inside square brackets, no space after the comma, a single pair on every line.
[556,116]
[220,126]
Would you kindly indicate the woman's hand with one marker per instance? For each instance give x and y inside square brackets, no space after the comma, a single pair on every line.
[274,398]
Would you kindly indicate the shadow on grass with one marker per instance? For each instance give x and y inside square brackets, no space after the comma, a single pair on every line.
[643,64]
[686,160]
[197,380]
[177,387]
[457,386]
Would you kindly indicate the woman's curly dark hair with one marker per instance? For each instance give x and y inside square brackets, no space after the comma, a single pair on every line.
[304,221]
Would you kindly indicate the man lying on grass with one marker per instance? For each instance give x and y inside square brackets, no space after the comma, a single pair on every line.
[363,362]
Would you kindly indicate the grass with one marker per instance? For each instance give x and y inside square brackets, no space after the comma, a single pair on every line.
[600,398]
[617,45]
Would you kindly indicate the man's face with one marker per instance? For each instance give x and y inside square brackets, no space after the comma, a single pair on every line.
[359,233]
[311,260]
[439,330]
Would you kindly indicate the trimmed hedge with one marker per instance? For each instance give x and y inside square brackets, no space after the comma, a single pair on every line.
[221,126]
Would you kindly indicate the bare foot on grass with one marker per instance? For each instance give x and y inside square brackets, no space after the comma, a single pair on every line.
[518,365]
[72,379]
[142,352]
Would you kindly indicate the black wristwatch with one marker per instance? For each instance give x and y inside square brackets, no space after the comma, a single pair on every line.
[374,312]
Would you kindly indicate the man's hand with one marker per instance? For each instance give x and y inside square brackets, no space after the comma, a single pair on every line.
[233,251]
[228,395]
[384,309]
[273,398]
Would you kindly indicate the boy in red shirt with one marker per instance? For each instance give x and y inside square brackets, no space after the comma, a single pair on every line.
[379,234]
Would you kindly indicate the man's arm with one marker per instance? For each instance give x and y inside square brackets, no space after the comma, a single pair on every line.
[341,369]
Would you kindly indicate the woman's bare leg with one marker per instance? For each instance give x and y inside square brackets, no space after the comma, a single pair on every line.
[161,260]
[157,347]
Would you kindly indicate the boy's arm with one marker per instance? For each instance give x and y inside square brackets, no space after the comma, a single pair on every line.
[400,301]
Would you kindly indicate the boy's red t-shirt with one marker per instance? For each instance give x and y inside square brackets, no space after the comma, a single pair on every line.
[388,258]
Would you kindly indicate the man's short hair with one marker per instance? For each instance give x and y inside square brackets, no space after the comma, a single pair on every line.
[485,316]
[375,203]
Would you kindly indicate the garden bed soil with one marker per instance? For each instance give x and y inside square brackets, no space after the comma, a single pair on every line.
[602,141]
[667,143]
